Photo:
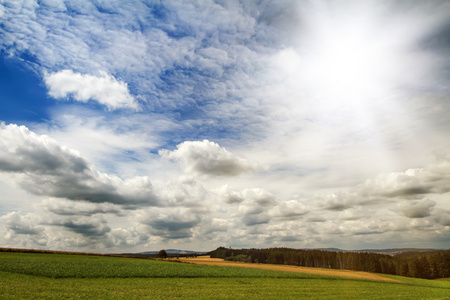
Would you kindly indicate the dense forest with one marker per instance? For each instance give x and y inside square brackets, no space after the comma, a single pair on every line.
[429,265]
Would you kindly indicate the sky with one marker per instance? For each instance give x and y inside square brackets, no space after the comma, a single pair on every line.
[129,126]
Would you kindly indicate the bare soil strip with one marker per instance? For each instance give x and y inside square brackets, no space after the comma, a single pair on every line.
[206,260]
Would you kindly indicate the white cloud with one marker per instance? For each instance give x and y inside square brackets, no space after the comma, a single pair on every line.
[23,223]
[433,178]
[23,230]
[120,145]
[104,89]
[385,189]
[208,158]
[49,230]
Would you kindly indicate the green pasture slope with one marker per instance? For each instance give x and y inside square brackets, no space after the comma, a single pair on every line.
[58,276]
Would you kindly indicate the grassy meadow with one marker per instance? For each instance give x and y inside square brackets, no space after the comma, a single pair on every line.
[59,276]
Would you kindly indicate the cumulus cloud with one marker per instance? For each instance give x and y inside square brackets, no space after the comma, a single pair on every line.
[443,217]
[413,184]
[338,201]
[181,210]
[64,207]
[184,192]
[23,229]
[416,209]
[23,223]
[174,224]
[50,229]
[256,207]
[126,237]
[433,178]
[43,167]
[207,158]
[229,196]
[92,227]
[290,210]
[104,89]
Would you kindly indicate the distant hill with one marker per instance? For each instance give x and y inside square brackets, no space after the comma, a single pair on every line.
[170,252]
[326,249]
[175,252]
[395,251]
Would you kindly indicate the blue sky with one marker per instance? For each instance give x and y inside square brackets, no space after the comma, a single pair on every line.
[141,125]
[22,93]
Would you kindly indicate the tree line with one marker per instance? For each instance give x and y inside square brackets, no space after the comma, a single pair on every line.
[428,265]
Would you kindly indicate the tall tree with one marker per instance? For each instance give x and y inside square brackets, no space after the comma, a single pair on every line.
[162,253]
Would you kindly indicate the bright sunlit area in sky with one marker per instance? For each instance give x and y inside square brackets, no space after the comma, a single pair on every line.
[194,125]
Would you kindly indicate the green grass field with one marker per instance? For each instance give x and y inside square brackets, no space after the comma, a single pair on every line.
[57,276]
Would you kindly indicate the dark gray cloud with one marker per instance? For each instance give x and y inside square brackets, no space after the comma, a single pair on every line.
[411,191]
[290,239]
[416,209]
[256,208]
[443,217]
[316,219]
[338,202]
[90,227]
[170,224]
[438,40]
[172,228]
[252,219]
[290,210]
[80,208]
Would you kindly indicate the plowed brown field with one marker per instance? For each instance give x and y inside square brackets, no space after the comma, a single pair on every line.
[206,260]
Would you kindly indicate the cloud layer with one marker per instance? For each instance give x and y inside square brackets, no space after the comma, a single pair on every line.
[242,123]
[87,206]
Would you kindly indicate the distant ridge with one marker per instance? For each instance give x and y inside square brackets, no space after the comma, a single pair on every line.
[390,251]
[395,251]
[326,249]
[174,252]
